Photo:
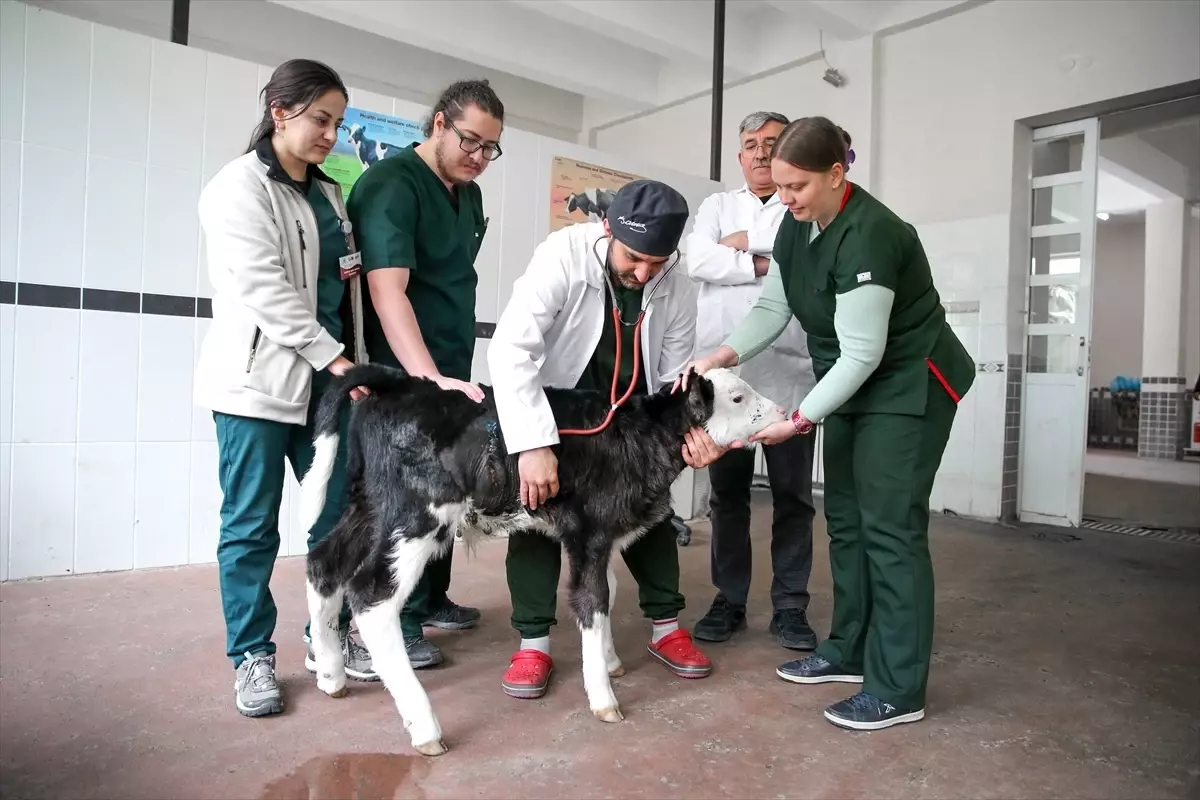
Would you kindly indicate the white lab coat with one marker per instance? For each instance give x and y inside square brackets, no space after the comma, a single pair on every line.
[553,322]
[729,289]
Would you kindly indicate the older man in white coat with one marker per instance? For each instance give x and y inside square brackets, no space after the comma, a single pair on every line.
[728,252]
[557,330]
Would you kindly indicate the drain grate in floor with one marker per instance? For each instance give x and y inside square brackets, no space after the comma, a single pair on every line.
[1165,534]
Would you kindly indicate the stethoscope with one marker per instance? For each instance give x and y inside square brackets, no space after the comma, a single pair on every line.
[614,403]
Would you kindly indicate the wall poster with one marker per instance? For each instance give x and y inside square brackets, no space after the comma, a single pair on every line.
[364,138]
[582,192]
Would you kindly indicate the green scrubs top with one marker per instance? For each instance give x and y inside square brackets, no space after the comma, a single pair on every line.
[866,243]
[598,374]
[403,216]
[331,289]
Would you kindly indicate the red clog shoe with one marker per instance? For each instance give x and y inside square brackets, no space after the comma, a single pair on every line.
[528,675]
[680,655]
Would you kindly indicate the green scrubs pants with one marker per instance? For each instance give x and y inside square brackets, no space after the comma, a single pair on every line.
[428,595]
[251,463]
[879,472]
[534,562]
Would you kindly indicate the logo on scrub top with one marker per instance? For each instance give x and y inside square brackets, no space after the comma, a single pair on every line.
[640,227]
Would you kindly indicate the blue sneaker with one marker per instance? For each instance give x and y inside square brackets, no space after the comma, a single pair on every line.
[815,669]
[866,712]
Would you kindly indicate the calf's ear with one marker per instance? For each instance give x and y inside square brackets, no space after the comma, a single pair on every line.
[700,398]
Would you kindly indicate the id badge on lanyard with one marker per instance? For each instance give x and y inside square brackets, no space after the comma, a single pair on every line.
[349,265]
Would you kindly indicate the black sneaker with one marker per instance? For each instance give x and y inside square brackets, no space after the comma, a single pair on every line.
[866,712]
[815,669]
[721,621]
[422,652]
[453,617]
[790,626]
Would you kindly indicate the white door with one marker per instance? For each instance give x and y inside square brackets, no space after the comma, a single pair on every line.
[1058,326]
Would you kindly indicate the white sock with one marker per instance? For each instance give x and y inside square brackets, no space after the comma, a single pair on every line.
[664,626]
[541,644]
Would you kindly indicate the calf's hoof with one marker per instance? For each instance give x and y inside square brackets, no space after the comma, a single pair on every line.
[434,747]
[617,671]
[610,714]
[334,687]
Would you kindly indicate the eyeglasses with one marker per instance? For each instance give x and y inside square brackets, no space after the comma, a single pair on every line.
[472,145]
[752,146]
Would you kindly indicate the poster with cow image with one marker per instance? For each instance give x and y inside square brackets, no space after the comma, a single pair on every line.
[582,192]
[364,138]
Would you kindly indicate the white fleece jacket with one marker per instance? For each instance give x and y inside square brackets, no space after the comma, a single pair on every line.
[263,252]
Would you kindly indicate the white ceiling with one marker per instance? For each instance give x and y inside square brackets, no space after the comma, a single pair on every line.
[1179,140]
[629,54]
[1166,157]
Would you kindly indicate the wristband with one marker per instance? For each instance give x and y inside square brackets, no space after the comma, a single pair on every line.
[801,423]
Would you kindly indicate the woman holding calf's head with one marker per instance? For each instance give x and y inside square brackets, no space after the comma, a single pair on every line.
[890,374]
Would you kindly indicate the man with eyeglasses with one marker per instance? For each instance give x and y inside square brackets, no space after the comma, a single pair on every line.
[418,219]
[729,252]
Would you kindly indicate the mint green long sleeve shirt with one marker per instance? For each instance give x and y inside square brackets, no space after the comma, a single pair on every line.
[860,319]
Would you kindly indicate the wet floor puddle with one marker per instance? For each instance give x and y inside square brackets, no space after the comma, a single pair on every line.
[353,776]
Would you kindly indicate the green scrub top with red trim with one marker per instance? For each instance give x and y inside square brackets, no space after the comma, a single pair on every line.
[866,243]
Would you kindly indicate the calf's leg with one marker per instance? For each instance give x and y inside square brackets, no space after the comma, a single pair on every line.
[323,608]
[611,660]
[379,625]
[590,603]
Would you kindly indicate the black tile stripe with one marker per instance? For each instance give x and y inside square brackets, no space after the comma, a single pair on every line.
[168,305]
[50,296]
[47,296]
[110,300]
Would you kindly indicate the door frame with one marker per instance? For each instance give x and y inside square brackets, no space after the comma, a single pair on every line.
[1086,177]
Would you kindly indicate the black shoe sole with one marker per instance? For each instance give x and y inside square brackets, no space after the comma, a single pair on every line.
[804,647]
[450,626]
[706,636]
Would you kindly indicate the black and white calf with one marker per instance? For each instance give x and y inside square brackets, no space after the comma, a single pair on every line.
[426,463]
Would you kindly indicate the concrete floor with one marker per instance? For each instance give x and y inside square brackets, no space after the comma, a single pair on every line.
[1151,504]
[1063,668]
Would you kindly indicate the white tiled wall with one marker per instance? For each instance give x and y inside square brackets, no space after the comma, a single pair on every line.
[969,259]
[106,139]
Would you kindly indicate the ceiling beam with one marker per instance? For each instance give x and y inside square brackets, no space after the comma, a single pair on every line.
[484,32]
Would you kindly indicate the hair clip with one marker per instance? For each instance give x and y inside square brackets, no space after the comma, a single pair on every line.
[850,155]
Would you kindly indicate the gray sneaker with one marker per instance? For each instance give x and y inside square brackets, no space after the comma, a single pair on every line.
[255,689]
[356,658]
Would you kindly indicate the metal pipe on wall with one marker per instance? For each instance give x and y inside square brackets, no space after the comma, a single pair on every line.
[180,18]
[718,88]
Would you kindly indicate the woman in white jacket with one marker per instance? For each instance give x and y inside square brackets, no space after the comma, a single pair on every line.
[284,270]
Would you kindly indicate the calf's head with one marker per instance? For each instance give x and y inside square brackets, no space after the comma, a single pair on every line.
[728,408]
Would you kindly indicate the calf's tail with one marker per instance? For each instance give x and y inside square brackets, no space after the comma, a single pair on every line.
[376,378]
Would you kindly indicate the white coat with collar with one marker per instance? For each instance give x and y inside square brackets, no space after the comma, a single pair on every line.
[553,322]
[729,289]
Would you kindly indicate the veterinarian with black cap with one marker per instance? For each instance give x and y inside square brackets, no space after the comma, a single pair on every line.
[890,375]
[557,331]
